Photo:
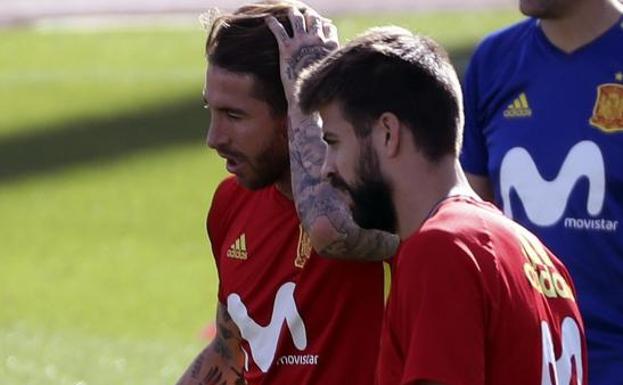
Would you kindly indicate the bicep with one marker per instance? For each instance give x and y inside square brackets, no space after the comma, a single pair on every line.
[227,339]
[226,327]
[222,361]
[482,185]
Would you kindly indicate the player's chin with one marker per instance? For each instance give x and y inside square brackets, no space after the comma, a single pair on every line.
[252,182]
[245,178]
[245,181]
[533,8]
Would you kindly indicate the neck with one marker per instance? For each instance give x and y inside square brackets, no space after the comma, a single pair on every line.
[414,198]
[284,185]
[582,24]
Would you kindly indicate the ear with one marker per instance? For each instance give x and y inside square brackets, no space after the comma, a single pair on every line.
[388,134]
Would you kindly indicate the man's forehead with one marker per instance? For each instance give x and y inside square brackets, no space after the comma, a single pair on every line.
[216,75]
[333,119]
[220,82]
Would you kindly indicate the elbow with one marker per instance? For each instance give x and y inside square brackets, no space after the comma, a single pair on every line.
[327,240]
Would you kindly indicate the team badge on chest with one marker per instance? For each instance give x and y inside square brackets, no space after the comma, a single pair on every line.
[303,249]
[608,110]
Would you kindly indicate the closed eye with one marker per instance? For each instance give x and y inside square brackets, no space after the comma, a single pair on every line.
[233,115]
[330,140]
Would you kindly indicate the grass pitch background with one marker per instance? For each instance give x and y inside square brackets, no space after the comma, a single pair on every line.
[106,276]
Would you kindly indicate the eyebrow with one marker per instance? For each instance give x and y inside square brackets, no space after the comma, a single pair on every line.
[236,111]
[227,109]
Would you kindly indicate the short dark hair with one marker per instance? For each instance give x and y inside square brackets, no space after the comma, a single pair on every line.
[389,69]
[242,43]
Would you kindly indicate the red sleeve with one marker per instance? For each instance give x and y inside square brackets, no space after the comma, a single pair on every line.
[443,308]
[217,222]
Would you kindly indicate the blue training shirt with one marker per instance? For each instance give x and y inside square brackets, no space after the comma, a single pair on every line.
[547,128]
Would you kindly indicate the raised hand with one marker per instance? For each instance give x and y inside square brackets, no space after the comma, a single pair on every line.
[314,37]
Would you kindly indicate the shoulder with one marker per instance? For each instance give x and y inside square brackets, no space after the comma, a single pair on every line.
[437,262]
[230,193]
[227,188]
[226,194]
[498,44]
[498,55]
[433,250]
[458,234]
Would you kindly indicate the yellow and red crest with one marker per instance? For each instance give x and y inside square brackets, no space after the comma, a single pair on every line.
[608,110]
[303,249]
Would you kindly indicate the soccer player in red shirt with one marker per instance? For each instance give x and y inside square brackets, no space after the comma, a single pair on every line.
[475,298]
[285,315]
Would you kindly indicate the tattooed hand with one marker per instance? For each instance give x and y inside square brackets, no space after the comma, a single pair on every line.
[314,38]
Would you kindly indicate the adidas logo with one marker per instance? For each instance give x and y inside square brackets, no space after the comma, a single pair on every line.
[519,108]
[238,250]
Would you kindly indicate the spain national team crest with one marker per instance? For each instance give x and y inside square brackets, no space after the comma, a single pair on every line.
[608,110]
[303,249]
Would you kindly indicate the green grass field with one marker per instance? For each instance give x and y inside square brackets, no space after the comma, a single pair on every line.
[106,276]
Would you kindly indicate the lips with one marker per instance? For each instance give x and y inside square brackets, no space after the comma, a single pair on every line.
[233,161]
[232,165]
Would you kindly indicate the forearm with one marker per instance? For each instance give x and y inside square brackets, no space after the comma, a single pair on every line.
[324,215]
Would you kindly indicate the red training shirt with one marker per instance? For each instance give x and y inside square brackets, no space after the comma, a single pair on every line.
[476,299]
[305,319]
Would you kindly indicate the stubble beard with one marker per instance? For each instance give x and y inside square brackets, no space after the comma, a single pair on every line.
[270,166]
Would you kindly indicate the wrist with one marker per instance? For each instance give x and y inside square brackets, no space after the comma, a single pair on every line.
[296,114]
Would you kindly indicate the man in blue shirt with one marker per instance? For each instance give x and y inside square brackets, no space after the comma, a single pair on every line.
[544,139]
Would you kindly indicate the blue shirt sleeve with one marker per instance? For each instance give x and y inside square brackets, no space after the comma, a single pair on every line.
[474,154]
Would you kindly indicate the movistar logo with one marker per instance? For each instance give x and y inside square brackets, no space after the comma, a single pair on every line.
[563,368]
[263,339]
[545,201]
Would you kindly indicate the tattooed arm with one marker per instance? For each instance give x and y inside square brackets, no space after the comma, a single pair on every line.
[324,215]
[221,362]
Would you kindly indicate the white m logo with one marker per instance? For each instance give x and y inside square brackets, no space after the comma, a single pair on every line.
[545,201]
[263,339]
[571,349]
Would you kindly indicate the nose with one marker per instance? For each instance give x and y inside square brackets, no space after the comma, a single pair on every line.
[328,168]
[217,134]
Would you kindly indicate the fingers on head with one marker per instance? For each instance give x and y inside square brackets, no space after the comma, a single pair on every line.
[297,20]
[330,31]
[313,22]
[277,29]
[306,22]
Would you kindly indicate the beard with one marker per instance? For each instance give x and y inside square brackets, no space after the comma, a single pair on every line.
[264,169]
[373,207]
[267,168]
